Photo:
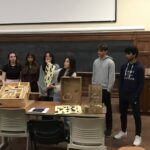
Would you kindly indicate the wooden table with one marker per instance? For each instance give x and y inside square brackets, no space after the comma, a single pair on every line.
[51,111]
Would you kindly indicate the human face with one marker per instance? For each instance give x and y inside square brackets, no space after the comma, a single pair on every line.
[130,57]
[48,58]
[30,59]
[101,53]
[12,58]
[67,63]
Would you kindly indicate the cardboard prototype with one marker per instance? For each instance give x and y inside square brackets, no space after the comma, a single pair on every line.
[94,109]
[14,94]
[95,105]
[71,89]
[95,94]
[68,109]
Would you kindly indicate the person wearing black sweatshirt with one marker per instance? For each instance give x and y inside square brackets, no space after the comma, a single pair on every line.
[131,85]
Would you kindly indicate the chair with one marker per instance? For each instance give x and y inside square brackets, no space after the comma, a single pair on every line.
[46,132]
[87,134]
[13,123]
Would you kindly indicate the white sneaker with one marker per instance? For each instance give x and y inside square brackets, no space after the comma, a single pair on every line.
[120,135]
[137,140]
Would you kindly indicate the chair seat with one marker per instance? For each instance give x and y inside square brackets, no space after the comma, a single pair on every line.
[131,148]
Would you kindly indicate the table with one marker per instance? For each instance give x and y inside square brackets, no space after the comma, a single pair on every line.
[51,111]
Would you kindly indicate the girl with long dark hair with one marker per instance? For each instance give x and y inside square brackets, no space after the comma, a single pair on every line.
[69,69]
[30,72]
[46,76]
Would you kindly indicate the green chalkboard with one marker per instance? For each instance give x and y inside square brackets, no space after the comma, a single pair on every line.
[83,51]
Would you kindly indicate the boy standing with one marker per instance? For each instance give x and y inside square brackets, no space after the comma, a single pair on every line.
[131,84]
[104,75]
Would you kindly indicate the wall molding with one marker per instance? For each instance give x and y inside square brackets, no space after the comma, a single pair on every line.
[73,30]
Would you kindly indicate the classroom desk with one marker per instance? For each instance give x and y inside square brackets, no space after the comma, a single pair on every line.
[51,111]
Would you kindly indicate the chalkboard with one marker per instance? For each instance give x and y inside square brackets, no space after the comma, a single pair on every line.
[85,52]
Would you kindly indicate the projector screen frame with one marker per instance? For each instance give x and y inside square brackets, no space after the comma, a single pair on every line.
[67,22]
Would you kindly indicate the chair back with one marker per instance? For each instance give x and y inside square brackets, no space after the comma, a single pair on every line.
[87,131]
[13,120]
[46,131]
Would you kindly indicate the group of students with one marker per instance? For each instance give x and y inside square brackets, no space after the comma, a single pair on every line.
[46,80]
[130,86]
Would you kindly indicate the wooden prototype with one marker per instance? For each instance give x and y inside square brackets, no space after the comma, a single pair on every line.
[14,94]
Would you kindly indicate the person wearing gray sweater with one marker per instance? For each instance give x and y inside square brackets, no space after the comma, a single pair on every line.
[104,75]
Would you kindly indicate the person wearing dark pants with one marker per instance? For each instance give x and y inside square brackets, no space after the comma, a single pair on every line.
[131,85]
[104,75]
[127,99]
[106,99]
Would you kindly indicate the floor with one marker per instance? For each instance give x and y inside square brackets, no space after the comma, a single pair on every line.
[112,144]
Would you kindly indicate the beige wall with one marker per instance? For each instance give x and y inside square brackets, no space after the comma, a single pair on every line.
[129,13]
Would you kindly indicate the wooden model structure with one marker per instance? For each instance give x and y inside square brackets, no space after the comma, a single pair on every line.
[71,88]
[95,94]
[14,94]
[95,105]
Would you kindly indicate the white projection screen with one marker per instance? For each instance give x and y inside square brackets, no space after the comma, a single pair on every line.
[56,11]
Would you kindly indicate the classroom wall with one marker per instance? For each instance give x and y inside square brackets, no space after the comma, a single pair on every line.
[129,13]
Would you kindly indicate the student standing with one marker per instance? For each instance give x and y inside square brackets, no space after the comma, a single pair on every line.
[69,69]
[30,72]
[131,85]
[104,75]
[46,76]
[11,71]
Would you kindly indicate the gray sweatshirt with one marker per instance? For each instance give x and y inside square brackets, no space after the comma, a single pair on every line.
[104,73]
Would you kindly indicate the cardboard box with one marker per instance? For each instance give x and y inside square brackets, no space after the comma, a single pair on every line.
[14,94]
[94,109]
[94,105]
[71,88]
[95,94]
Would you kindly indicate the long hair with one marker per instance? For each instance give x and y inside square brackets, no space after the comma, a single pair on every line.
[27,65]
[72,68]
[9,56]
[44,56]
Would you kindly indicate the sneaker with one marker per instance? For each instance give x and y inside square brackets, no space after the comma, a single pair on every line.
[120,135]
[137,140]
[107,133]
